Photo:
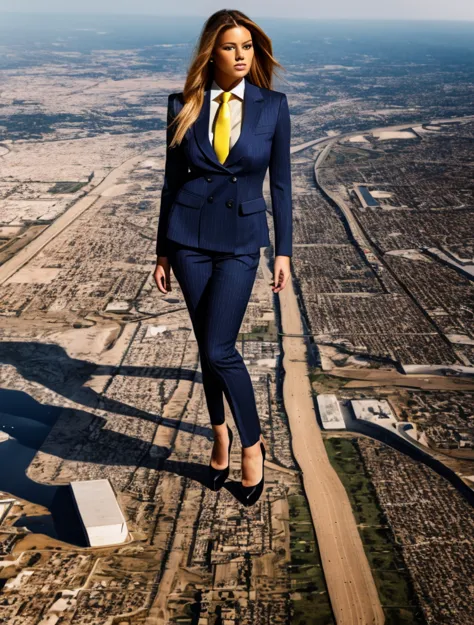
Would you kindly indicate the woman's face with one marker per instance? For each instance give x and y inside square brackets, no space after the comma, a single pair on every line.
[233,47]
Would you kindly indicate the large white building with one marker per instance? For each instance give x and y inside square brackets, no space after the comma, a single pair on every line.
[376,411]
[101,516]
[330,412]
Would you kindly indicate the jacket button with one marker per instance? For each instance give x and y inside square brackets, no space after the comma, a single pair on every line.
[229,203]
[234,179]
[209,179]
[210,198]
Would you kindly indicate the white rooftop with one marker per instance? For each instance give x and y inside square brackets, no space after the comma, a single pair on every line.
[374,410]
[330,411]
[100,513]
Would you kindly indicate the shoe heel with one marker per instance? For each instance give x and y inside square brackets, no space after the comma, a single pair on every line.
[219,476]
[251,494]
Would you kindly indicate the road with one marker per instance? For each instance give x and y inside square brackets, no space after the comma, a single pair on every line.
[352,590]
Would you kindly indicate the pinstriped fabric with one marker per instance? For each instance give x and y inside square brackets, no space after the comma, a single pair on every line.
[220,206]
[217,287]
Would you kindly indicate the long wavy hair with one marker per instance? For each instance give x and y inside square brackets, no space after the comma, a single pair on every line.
[200,72]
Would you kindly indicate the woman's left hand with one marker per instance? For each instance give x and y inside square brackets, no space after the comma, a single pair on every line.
[282,273]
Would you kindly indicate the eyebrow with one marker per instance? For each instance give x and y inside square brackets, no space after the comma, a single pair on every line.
[227,42]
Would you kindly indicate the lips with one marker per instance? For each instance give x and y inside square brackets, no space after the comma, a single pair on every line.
[240,66]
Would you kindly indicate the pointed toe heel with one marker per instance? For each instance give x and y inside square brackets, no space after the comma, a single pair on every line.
[251,494]
[217,477]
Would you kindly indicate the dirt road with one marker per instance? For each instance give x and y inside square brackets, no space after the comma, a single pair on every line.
[351,587]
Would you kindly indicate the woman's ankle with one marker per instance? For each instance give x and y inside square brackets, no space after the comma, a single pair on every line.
[220,432]
[254,450]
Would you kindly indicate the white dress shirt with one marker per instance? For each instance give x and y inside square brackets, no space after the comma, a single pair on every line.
[236,110]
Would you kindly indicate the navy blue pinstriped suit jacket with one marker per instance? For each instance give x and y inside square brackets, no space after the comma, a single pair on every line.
[221,207]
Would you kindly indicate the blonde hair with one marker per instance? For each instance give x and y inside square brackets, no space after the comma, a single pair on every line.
[200,71]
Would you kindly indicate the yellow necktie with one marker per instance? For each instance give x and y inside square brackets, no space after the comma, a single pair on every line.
[222,128]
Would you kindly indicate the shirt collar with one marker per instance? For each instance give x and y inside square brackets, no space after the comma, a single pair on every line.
[237,90]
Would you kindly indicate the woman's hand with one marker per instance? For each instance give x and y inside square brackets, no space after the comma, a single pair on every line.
[162,274]
[282,273]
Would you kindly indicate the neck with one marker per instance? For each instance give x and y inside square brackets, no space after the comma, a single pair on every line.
[225,84]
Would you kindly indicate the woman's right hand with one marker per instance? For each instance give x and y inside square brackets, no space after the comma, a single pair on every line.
[162,274]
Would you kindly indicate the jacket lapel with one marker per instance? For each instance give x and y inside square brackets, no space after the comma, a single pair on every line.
[251,110]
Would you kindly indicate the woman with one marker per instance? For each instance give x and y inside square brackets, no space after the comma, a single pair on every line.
[229,128]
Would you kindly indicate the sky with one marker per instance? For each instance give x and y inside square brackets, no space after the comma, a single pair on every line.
[336,9]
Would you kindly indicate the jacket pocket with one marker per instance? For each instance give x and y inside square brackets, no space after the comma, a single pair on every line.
[188,198]
[253,206]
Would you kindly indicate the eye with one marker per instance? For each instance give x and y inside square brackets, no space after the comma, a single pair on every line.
[247,46]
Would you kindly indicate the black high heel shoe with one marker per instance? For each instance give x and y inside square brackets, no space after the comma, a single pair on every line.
[219,476]
[251,494]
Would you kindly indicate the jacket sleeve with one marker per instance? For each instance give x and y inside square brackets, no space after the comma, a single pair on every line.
[280,181]
[176,168]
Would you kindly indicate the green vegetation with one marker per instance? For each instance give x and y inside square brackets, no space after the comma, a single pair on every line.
[309,599]
[265,332]
[67,187]
[324,382]
[393,581]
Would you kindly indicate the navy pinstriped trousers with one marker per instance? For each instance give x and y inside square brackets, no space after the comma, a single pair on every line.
[217,287]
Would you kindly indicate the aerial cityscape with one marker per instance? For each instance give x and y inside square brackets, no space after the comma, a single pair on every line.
[363,367]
